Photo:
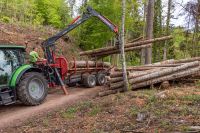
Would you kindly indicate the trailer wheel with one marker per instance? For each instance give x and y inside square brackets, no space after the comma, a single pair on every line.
[32,89]
[101,79]
[89,81]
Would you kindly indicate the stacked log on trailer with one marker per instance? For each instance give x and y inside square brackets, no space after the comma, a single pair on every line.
[149,75]
[80,66]
[102,52]
[77,69]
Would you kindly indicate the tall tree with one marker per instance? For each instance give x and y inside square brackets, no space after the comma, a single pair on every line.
[167,28]
[144,31]
[122,45]
[149,30]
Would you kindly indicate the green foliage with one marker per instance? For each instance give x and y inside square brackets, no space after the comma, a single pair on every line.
[37,12]
[94,34]
[5,19]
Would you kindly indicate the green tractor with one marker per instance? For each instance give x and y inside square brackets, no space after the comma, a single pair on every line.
[19,81]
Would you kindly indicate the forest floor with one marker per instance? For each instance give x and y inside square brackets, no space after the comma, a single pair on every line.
[176,109]
[34,36]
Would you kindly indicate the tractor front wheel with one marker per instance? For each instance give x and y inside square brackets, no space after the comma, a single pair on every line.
[32,89]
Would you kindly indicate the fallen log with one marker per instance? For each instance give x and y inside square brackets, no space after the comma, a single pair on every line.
[148,67]
[163,72]
[114,80]
[166,78]
[117,85]
[117,74]
[187,60]
[111,48]
[131,75]
[109,92]
[136,39]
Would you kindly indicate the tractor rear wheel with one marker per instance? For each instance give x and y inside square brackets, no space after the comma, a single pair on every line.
[89,80]
[101,79]
[32,89]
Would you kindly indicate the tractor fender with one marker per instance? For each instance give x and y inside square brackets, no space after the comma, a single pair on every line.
[19,72]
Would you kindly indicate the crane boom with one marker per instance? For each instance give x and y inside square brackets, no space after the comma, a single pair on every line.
[49,44]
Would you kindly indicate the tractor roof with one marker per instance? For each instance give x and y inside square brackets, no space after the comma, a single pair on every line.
[11,46]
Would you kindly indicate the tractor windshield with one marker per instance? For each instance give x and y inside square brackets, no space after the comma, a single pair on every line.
[10,60]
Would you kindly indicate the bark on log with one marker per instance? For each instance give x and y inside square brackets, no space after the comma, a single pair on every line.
[109,92]
[117,51]
[166,78]
[82,64]
[149,67]
[111,48]
[117,74]
[114,80]
[163,72]
[117,85]
[187,60]
[136,39]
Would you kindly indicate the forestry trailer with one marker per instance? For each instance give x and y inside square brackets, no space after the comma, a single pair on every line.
[29,83]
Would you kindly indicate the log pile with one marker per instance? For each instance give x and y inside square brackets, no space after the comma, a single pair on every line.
[149,75]
[128,47]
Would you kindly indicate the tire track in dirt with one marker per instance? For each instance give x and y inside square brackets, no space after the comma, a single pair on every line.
[14,115]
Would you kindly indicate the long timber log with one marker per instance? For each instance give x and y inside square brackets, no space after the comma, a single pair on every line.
[118,51]
[166,78]
[109,92]
[163,72]
[112,48]
[84,64]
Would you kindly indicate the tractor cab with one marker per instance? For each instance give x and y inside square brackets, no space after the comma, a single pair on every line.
[11,57]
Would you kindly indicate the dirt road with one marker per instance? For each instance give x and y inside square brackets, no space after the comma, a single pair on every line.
[14,115]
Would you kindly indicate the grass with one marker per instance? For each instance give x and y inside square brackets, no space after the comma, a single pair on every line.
[85,105]
[94,111]
[45,122]
[69,113]
[192,98]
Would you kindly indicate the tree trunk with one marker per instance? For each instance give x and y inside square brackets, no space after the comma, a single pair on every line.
[142,60]
[122,46]
[149,30]
[167,28]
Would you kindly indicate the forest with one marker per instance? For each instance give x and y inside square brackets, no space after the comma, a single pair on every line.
[95,66]
[93,34]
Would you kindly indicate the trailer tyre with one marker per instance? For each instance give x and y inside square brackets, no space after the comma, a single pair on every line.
[101,79]
[32,89]
[89,81]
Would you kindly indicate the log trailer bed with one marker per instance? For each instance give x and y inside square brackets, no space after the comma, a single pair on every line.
[29,83]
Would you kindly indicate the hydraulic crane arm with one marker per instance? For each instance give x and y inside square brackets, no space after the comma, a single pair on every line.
[76,22]
[50,42]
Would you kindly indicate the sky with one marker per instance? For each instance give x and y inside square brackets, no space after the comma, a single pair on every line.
[179,21]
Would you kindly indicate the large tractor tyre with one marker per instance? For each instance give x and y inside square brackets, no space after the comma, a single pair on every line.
[101,79]
[89,81]
[32,89]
